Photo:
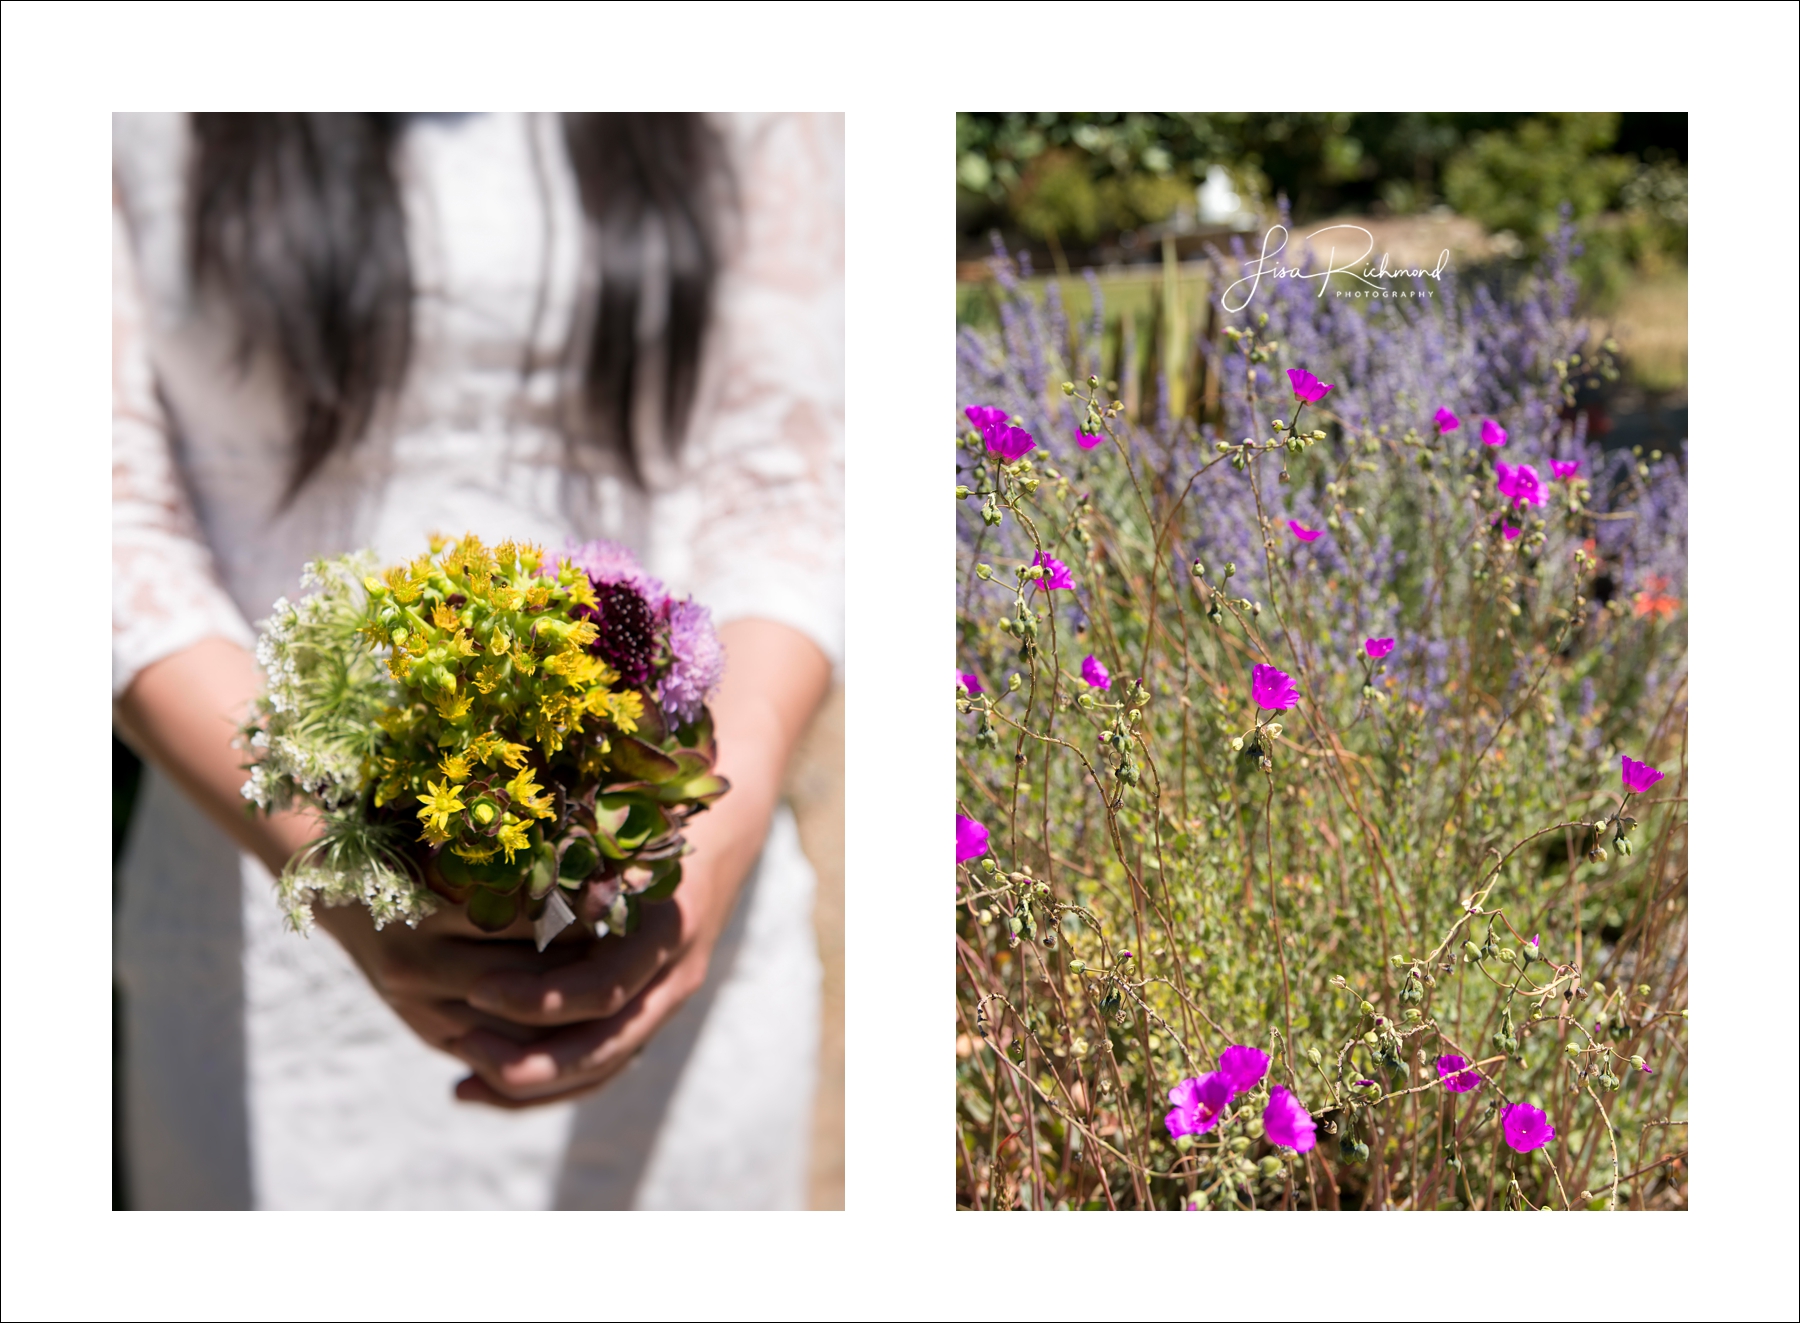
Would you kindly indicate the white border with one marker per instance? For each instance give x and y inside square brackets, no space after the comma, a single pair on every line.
[900,72]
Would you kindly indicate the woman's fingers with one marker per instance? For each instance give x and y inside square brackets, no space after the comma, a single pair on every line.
[599,983]
[572,1060]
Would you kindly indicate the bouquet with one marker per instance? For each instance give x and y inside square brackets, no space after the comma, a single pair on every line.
[518,734]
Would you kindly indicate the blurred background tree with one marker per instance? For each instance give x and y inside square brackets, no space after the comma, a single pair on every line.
[1084,185]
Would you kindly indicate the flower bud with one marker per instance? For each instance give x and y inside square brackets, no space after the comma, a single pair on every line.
[1270,1166]
[1013,682]
[1278,425]
[1367,1008]
[1199,570]
[1572,1050]
[1371,1038]
[962,492]
[1637,1063]
[1068,388]
[1238,1144]
[1084,701]
[1471,950]
[1078,966]
[1312,1055]
[984,571]
[1230,568]
[1508,954]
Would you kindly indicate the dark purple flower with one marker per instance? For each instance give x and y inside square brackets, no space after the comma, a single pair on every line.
[968,681]
[1273,689]
[1243,1066]
[627,630]
[1308,389]
[984,418]
[1492,434]
[1095,673]
[1638,777]
[1087,442]
[1198,1103]
[1058,577]
[1286,1122]
[1564,468]
[1457,1074]
[971,839]
[1525,1127]
[1378,648]
[1304,533]
[1446,421]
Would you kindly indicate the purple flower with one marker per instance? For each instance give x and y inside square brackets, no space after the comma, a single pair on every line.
[1508,532]
[1378,648]
[1457,1074]
[1564,468]
[985,418]
[1308,389]
[1521,484]
[1243,1066]
[1525,1127]
[1638,777]
[697,664]
[1059,573]
[1288,1123]
[1447,422]
[971,839]
[1304,533]
[968,681]
[1273,689]
[1009,443]
[1492,434]
[1095,673]
[1198,1103]
[1087,442]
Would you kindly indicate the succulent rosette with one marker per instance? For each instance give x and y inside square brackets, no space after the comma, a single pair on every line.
[521,735]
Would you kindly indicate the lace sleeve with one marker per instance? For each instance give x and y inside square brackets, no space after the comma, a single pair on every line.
[166,591]
[770,477]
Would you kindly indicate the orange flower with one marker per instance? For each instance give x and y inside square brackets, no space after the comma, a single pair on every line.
[1654,599]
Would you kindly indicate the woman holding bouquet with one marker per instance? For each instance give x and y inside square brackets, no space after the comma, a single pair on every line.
[345,331]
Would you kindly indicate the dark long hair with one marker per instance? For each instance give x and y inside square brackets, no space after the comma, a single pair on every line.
[297,222]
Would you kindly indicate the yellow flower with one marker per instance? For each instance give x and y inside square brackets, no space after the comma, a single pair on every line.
[523,659]
[513,837]
[581,591]
[499,643]
[487,678]
[626,707]
[538,595]
[438,543]
[465,645]
[452,707]
[439,805]
[529,795]
[444,616]
[455,766]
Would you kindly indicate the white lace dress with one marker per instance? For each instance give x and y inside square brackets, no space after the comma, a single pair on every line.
[262,1070]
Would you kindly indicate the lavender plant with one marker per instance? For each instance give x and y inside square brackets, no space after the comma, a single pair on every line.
[1312,851]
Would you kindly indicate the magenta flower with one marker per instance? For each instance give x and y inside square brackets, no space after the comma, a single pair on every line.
[1009,443]
[1059,573]
[1308,389]
[1243,1066]
[1520,484]
[985,418]
[1304,533]
[1508,532]
[971,839]
[1457,1074]
[968,681]
[1492,434]
[1198,1104]
[1378,648]
[1525,1127]
[1564,469]
[1446,421]
[1095,673]
[1288,1123]
[1273,689]
[1638,777]
[1087,442]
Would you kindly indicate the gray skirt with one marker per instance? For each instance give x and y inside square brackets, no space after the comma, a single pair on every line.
[264,1072]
